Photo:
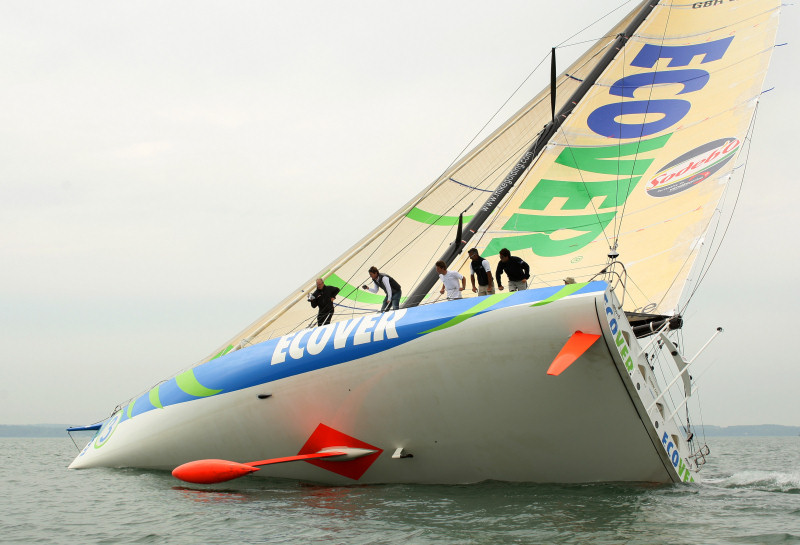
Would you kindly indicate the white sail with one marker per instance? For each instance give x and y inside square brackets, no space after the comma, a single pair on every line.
[409,242]
[642,162]
[639,166]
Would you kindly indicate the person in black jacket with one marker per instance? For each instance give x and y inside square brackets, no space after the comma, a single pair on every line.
[323,299]
[480,267]
[517,270]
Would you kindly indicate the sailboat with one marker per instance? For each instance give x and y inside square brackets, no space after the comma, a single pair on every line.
[606,183]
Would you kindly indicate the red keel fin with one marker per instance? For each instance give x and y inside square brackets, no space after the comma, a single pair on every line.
[326,437]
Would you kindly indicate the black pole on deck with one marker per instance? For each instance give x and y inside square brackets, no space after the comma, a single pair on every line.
[553,84]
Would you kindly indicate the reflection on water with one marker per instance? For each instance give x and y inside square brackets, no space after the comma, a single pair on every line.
[344,501]
[211,496]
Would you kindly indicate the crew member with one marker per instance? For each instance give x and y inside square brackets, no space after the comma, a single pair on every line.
[389,286]
[450,281]
[323,299]
[481,268]
[517,270]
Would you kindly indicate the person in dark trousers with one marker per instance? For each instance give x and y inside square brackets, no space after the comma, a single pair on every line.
[481,269]
[388,284]
[323,299]
[517,270]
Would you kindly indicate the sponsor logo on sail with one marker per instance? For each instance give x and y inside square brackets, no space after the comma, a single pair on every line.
[692,167]
[549,221]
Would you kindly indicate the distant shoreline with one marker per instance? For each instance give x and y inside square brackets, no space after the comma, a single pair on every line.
[763,430]
[34,430]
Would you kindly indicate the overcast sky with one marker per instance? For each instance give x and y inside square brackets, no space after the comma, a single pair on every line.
[170,170]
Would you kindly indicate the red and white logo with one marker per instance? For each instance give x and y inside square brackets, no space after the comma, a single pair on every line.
[692,167]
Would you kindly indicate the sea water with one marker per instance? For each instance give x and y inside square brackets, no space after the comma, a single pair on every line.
[749,492]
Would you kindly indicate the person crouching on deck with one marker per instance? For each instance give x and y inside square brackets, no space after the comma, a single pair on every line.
[389,285]
[450,281]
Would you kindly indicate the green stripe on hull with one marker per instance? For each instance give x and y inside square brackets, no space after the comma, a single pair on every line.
[223,352]
[155,400]
[472,311]
[187,382]
[569,289]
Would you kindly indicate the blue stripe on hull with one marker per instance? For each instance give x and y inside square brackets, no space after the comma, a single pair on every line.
[347,340]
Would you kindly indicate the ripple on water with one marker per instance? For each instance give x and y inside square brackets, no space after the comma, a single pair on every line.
[768,481]
[745,500]
[767,539]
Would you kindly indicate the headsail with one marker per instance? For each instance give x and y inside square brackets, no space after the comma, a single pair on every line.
[643,160]
[639,165]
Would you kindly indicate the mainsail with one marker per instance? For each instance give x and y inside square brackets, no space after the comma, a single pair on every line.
[638,167]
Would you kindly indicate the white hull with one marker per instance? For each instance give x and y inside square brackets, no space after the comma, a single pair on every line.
[471,402]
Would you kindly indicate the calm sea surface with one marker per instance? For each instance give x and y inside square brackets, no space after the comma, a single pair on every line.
[750,493]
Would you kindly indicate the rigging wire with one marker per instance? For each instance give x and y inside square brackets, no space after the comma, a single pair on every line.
[595,22]
[619,156]
[687,427]
[499,213]
[509,198]
[702,421]
[749,140]
[412,241]
[617,227]
[495,115]
[441,181]
[525,142]
[661,366]
[521,147]
[639,140]
[583,181]
[669,13]
[591,40]
[73,441]
[701,273]
[429,191]
[717,210]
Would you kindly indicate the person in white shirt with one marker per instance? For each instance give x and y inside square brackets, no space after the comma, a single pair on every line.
[450,281]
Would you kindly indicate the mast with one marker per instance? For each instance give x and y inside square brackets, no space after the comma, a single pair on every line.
[430,279]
